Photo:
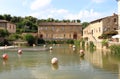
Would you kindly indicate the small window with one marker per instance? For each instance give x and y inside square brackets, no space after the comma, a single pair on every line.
[64,35]
[53,28]
[46,35]
[63,28]
[115,29]
[46,28]
[41,28]
[70,35]
[99,29]
[10,26]
[115,20]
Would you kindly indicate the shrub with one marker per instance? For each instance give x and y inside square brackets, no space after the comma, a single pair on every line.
[77,42]
[91,46]
[30,39]
[115,49]
[41,41]
[14,37]
[70,41]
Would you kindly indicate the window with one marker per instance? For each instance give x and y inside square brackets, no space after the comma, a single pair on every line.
[64,35]
[46,28]
[115,20]
[115,29]
[13,26]
[99,29]
[63,28]
[10,26]
[41,28]
[105,29]
[46,35]
[51,35]
[70,35]
[53,28]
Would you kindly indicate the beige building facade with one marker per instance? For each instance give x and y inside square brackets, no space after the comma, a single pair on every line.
[52,30]
[10,27]
[97,27]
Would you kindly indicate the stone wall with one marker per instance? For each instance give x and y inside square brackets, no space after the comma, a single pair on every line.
[60,31]
[98,27]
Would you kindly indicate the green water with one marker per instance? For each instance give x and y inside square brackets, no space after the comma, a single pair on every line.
[36,65]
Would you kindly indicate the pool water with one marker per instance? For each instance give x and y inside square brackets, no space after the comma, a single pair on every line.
[37,64]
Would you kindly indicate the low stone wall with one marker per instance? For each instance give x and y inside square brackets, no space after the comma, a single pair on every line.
[7,47]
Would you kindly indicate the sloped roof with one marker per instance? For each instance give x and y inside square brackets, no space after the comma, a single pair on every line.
[3,21]
[98,20]
[54,23]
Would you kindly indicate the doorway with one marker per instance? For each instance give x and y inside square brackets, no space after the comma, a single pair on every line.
[75,35]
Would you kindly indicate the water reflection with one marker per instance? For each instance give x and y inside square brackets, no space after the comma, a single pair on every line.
[54,66]
[95,58]
[37,65]
[4,62]
[51,51]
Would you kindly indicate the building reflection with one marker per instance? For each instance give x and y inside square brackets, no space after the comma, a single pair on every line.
[95,58]
[104,60]
[54,66]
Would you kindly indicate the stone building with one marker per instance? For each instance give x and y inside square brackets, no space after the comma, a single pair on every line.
[10,27]
[97,27]
[53,30]
[118,13]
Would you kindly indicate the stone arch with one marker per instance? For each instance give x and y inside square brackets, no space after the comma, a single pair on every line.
[74,35]
[41,35]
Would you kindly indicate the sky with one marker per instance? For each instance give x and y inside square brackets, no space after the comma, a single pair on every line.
[85,10]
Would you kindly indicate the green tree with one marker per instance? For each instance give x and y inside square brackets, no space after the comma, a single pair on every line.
[7,17]
[78,21]
[16,19]
[14,36]
[3,33]
[31,19]
[30,39]
[50,20]
[1,17]
[85,24]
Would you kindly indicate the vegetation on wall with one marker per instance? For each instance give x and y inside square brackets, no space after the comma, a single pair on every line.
[82,43]
[91,47]
[70,41]
[77,42]
[105,42]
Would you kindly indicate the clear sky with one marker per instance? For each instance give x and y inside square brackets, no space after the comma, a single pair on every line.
[85,10]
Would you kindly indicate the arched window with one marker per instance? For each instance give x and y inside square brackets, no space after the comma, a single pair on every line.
[75,35]
[41,35]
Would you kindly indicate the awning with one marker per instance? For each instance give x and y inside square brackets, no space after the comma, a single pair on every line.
[116,36]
